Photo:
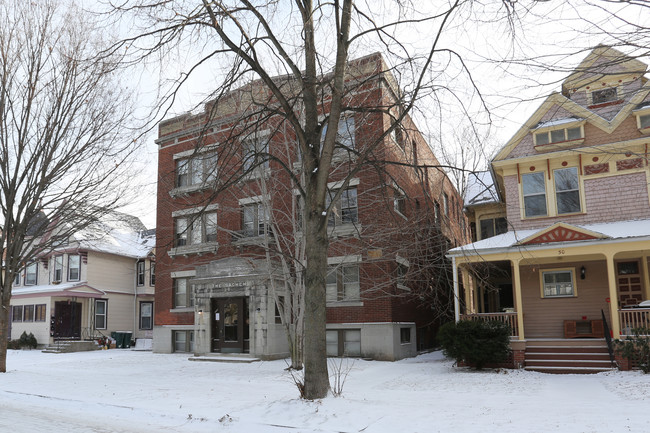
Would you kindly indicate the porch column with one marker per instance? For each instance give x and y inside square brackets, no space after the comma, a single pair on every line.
[516,283]
[454,268]
[613,296]
[470,304]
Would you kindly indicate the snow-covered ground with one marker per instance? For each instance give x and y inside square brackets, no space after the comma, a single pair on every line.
[128,391]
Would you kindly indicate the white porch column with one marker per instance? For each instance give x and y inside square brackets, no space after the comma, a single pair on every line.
[613,296]
[516,283]
[456,294]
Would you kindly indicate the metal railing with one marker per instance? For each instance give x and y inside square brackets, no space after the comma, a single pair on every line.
[608,339]
[632,318]
[509,318]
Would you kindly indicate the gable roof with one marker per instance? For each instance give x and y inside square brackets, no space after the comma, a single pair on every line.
[561,232]
[578,111]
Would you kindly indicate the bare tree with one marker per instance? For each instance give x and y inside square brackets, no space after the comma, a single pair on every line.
[299,54]
[63,142]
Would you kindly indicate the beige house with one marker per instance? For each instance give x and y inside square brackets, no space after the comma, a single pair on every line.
[100,281]
[569,264]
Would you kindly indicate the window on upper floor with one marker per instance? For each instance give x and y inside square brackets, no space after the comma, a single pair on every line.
[74,267]
[534,194]
[255,219]
[492,227]
[343,283]
[195,229]
[445,204]
[567,190]
[17,279]
[140,272]
[152,274]
[255,154]
[345,135]
[436,212]
[197,169]
[345,210]
[58,269]
[399,201]
[602,96]
[31,274]
[644,121]
[558,135]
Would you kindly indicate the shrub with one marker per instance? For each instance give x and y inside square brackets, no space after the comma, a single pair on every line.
[28,340]
[636,348]
[13,344]
[475,342]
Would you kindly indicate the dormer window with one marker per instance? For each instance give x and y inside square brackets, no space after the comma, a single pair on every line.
[604,95]
[558,135]
[643,119]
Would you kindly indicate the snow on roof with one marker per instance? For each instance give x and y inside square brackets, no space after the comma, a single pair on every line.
[48,289]
[117,233]
[557,122]
[612,230]
[480,189]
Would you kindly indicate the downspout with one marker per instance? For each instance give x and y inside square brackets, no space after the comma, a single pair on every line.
[456,301]
[135,300]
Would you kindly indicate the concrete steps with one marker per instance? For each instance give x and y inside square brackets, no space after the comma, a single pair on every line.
[71,346]
[575,356]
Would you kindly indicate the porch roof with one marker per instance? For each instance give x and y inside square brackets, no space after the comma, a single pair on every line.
[512,240]
[78,289]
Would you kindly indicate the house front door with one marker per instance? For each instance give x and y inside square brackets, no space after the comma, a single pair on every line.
[628,282]
[230,325]
[67,319]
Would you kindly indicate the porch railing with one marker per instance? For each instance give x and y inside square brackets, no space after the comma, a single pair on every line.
[632,318]
[508,318]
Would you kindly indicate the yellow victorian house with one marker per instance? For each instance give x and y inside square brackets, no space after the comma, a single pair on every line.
[561,222]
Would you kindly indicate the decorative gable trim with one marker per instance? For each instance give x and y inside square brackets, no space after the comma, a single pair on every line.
[561,232]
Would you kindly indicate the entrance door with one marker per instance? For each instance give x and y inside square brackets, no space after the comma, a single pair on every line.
[628,279]
[230,332]
[67,319]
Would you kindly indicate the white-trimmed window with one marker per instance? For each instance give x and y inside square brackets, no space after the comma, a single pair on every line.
[58,269]
[399,201]
[182,294]
[152,274]
[199,168]
[558,135]
[255,219]
[195,229]
[140,272]
[255,154]
[558,283]
[74,267]
[101,313]
[567,190]
[343,283]
[345,209]
[183,341]
[602,96]
[17,313]
[343,342]
[146,315]
[31,274]
[644,121]
[345,135]
[534,194]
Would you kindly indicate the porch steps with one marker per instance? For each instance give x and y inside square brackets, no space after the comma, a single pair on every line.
[71,346]
[225,357]
[568,356]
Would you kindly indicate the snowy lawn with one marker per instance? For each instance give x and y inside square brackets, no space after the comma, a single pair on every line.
[127,391]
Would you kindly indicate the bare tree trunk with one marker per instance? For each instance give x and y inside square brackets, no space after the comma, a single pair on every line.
[4,334]
[316,375]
